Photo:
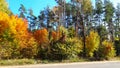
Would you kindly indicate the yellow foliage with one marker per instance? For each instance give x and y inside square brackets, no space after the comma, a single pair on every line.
[92,43]
[16,26]
[87,8]
[108,50]
[4,18]
[4,7]
[15,30]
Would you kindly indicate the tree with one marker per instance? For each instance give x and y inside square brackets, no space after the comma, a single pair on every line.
[86,10]
[4,7]
[87,6]
[41,36]
[76,14]
[117,25]
[19,29]
[29,15]
[47,18]
[41,18]
[33,21]
[92,45]
[109,10]
[23,11]
[3,24]
[118,12]
[98,10]
[15,40]
[62,8]
[102,31]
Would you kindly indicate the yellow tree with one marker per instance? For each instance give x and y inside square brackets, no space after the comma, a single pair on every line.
[4,7]
[19,28]
[3,22]
[15,38]
[92,43]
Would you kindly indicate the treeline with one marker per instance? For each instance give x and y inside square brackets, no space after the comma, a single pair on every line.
[69,30]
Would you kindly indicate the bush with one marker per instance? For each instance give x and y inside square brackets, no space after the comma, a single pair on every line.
[5,50]
[9,49]
[106,50]
[75,47]
[92,43]
[28,48]
[71,32]
[70,49]
[117,47]
[63,30]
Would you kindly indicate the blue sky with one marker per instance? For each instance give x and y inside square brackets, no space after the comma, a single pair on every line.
[37,5]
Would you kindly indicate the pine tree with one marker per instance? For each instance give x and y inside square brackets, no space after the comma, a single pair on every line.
[98,10]
[117,24]
[109,10]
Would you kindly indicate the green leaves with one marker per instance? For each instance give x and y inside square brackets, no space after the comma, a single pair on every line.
[99,6]
[109,10]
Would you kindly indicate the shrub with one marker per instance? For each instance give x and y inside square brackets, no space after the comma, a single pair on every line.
[92,43]
[70,49]
[74,47]
[5,50]
[63,30]
[71,32]
[117,47]
[28,48]
[106,50]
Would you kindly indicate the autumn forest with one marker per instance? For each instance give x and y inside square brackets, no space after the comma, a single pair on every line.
[75,29]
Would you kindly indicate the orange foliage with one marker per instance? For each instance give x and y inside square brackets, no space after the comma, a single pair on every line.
[3,26]
[41,36]
[56,35]
[108,48]
[18,26]
[17,29]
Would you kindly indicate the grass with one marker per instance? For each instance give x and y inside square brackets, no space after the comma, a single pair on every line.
[115,58]
[17,62]
[33,61]
[36,61]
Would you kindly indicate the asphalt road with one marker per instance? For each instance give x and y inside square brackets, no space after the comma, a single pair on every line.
[105,64]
